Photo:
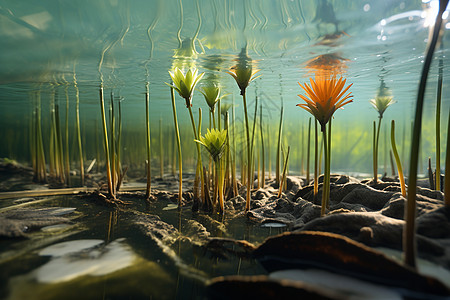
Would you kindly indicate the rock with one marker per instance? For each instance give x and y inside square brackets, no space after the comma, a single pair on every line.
[224,248]
[435,223]
[342,255]
[15,223]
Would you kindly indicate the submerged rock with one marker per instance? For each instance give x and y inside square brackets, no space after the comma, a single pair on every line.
[15,223]
[342,255]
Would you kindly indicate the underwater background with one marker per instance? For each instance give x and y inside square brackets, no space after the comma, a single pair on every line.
[48,47]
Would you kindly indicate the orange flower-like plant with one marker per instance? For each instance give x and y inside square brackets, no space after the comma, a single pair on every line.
[323,97]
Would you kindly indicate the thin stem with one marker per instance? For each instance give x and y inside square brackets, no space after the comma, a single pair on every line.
[438,122]
[105,140]
[328,161]
[316,162]
[447,168]
[277,163]
[263,171]
[161,150]
[249,156]
[66,158]
[77,125]
[397,160]
[147,123]
[325,176]
[180,163]
[198,172]
[308,151]
[113,144]
[409,240]
[283,177]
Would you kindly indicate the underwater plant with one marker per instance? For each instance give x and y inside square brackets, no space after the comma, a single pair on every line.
[243,74]
[381,102]
[185,85]
[180,162]
[324,96]
[409,238]
[447,168]
[397,160]
[77,125]
[438,123]
[147,136]
[212,96]
[105,140]
[215,143]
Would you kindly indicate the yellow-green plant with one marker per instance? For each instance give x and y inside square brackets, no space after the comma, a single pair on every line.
[447,168]
[381,102]
[185,86]
[215,143]
[243,74]
[324,96]
[212,96]
[180,162]
[148,142]
[397,160]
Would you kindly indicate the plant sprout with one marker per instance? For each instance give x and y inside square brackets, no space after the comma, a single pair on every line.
[324,96]
[215,143]
[382,101]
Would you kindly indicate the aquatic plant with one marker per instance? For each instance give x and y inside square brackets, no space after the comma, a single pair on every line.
[180,162]
[212,96]
[409,238]
[263,171]
[308,150]
[277,162]
[324,96]
[215,143]
[438,122]
[105,141]
[185,85]
[243,74]
[148,141]
[382,101]
[397,160]
[316,159]
[77,126]
[283,176]
[447,168]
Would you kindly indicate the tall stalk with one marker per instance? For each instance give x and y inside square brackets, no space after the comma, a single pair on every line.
[263,171]
[447,168]
[283,177]
[42,174]
[161,150]
[397,160]
[409,239]
[277,163]
[438,122]
[376,138]
[316,161]
[249,156]
[308,143]
[113,144]
[78,129]
[180,162]
[66,153]
[147,122]
[105,140]
[326,182]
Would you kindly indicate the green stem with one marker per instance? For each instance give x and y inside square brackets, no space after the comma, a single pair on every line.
[113,145]
[328,161]
[43,171]
[438,122]
[66,158]
[325,175]
[198,172]
[409,240]
[180,163]
[199,161]
[308,151]
[105,140]
[376,138]
[283,177]
[80,146]
[277,163]
[148,144]
[161,150]
[397,160]
[263,173]
[316,162]
[220,184]
[447,168]
[249,156]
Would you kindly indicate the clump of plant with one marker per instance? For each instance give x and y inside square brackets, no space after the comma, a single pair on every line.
[243,73]
[382,101]
[324,95]
[185,84]
[214,142]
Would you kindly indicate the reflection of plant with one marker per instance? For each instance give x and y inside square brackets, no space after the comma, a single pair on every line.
[325,96]
[214,142]
[243,73]
[381,102]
